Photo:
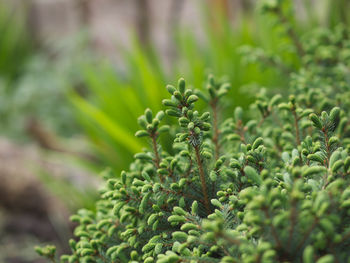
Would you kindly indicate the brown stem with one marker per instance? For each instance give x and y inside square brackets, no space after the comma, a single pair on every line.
[265,115]
[240,131]
[213,105]
[296,124]
[345,237]
[308,232]
[202,177]
[278,65]
[327,143]
[273,230]
[292,219]
[102,258]
[235,242]
[334,253]
[188,172]
[155,150]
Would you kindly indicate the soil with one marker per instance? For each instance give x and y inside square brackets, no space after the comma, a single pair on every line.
[29,213]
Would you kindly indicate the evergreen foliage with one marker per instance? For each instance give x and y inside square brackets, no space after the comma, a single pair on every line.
[269,184]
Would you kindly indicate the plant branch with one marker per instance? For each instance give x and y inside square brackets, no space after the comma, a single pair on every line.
[308,232]
[215,139]
[156,154]
[293,222]
[291,33]
[273,230]
[202,177]
[296,124]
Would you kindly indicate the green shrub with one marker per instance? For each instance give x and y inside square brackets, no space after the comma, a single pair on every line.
[269,184]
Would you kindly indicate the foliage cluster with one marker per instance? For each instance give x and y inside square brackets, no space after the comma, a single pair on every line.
[268,184]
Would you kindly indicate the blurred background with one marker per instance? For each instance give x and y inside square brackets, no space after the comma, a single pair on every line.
[76,74]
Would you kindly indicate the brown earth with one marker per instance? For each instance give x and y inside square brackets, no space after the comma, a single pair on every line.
[29,213]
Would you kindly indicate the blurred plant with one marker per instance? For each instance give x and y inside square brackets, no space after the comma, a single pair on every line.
[115,100]
[15,43]
[39,92]
[33,86]
[328,12]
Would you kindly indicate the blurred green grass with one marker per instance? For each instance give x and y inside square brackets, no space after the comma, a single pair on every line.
[15,43]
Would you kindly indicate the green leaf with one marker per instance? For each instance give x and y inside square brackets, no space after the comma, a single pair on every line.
[118,133]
